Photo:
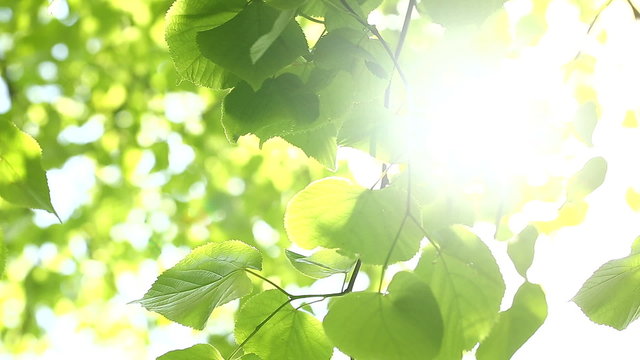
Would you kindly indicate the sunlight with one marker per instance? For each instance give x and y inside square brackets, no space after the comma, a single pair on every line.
[498,122]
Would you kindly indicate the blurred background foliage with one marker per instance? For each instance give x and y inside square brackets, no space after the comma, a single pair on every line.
[141,171]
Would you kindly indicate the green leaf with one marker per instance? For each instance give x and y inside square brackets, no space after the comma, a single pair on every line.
[321,264]
[285,4]
[23,182]
[184,20]
[336,213]
[318,143]
[3,254]
[196,352]
[587,179]
[265,41]
[467,284]
[585,122]
[403,324]
[516,325]
[230,44]
[289,335]
[250,357]
[211,275]
[521,250]
[610,295]
[455,13]
[282,106]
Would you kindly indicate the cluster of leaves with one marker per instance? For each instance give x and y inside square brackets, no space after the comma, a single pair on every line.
[317,75]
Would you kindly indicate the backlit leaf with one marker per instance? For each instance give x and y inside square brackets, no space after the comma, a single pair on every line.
[23,182]
[451,13]
[336,213]
[586,121]
[229,45]
[196,352]
[610,295]
[289,335]
[3,254]
[587,179]
[184,20]
[321,264]
[468,286]
[521,249]
[211,275]
[403,324]
[516,325]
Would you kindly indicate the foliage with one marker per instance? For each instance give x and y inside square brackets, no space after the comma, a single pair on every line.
[143,146]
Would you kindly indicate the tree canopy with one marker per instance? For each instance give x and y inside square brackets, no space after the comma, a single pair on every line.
[317,179]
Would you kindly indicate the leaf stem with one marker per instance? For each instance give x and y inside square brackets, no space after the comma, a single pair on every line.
[312,19]
[269,281]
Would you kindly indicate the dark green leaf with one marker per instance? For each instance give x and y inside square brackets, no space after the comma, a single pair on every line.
[589,178]
[184,20]
[211,275]
[22,180]
[321,264]
[282,106]
[196,352]
[516,325]
[468,286]
[265,41]
[336,213]
[521,250]
[289,335]
[230,44]
[610,295]
[403,324]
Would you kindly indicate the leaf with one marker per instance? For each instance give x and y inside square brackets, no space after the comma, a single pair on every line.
[282,106]
[289,335]
[3,254]
[403,324]
[184,20]
[196,352]
[229,45]
[318,143]
[457,13]
[336,213]
[516,325]
[610,295]
[468,286]
[265,41]
[211,275]
[23,182]
[585,122]
[587,179]
[320,264]
[521,250]
[285,4]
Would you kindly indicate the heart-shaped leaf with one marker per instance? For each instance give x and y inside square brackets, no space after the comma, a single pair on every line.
[211,275]
[404,324]
[336,213]
[467,283]
[290,334]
